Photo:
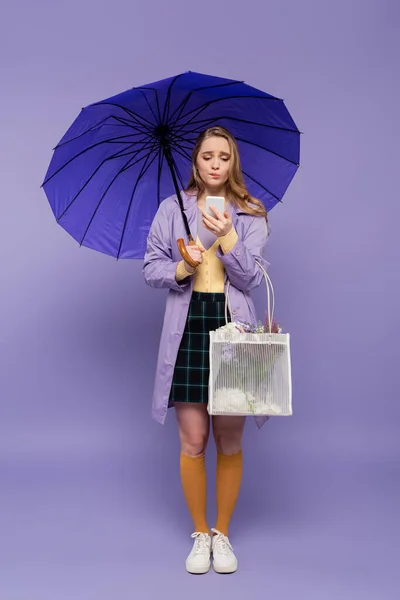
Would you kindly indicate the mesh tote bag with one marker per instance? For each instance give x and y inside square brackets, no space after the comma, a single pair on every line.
[250,373]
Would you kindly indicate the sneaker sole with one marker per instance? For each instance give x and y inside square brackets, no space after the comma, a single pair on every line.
[198,570]
[225,570]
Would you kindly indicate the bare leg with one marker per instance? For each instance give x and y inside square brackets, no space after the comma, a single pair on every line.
[193,426]
[228,433]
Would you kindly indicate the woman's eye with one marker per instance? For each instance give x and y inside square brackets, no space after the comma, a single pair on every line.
[224,158]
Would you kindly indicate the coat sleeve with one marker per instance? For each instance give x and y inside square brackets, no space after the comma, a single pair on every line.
[240,262]
[159,269]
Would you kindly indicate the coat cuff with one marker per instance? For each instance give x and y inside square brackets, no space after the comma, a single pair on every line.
[181,272]
[228,241]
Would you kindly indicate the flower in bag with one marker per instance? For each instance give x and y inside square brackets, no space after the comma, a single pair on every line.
[228,352]
[231,400]
[235,401]
[231,326]
[275,327]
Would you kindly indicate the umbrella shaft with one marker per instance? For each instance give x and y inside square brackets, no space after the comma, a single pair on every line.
[170,161]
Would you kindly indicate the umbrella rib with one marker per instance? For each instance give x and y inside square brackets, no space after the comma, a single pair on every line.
[182,141]
[116,141]
[149,152]
[175,136]
[198,128]
[121,153]
[175,139]
[148,104]
[262,186]
[247,122]
[165,118]
[178,173]
[138,126]
[124,168]
[130,112]
[160,162]
[158,106]
[110,140]
[192,121]
[98,126]
[182,146]
[92,175]
[143,171]
[184,102]
[100,201]
[141,89]
[214,101]
[239,139]
[181,150]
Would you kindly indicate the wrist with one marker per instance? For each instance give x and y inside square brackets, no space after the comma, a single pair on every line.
[188,268]
[224,233]
[181,271]
[228,241]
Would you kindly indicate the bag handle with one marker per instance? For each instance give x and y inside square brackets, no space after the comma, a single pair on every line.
[269,285]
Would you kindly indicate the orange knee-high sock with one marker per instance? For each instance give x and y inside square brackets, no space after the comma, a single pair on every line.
[194,483]
[229,477]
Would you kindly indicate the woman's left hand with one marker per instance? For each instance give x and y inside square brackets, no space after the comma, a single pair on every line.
[220,225]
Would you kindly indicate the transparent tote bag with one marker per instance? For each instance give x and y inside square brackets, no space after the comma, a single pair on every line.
[250,373]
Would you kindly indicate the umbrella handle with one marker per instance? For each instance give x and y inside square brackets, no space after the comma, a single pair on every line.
[185,254]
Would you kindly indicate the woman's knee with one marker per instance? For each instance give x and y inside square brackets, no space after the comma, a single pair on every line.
[193,445]
[228,435]
[193,426]
[228,444]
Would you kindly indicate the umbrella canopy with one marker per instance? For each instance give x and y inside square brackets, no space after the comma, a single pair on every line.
[123,155]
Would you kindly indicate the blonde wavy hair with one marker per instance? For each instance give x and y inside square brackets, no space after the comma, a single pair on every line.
[236,190]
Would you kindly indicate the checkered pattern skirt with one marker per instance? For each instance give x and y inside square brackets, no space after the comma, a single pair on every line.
[191,373]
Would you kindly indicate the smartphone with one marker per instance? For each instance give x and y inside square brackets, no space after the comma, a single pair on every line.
[217,201]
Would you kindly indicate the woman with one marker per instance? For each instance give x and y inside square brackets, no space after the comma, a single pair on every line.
[227,245]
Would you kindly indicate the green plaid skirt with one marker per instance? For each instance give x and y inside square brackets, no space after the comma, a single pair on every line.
[191,373]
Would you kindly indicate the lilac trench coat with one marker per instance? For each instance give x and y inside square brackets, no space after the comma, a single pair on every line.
[160,261]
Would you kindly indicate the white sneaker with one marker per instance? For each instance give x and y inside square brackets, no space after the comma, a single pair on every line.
[198,561]
[224,560]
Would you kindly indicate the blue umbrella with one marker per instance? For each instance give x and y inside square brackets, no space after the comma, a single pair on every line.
[122,156]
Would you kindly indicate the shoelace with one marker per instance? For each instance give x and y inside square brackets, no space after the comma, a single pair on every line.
[221,543]
[201,546]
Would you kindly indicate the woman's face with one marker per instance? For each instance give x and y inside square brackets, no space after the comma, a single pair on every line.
[213,162]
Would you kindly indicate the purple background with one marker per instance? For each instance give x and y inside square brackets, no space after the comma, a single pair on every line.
[91,504]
